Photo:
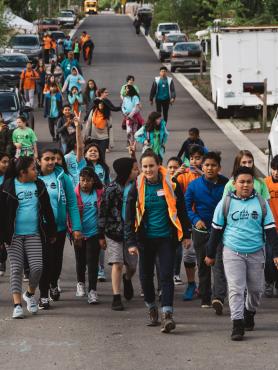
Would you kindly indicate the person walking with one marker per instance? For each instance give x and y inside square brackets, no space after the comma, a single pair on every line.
[68,63]
[76,49]
[67,43]
[65,127]
[88,48]
[26,217]
[47,45]
[89,94]
[155,222]
[28,80]
[163,92]
[53,110]
[41,70]
[73,80]
[243,220]
[24,139]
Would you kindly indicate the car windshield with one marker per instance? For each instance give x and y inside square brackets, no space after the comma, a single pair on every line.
[49,21]
[25,41]
[175,38]
[65,14]
[8,102]
[187,47]
[13,60]
[168,27]
[58,35]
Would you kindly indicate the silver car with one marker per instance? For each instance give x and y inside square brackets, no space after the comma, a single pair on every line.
[187,55]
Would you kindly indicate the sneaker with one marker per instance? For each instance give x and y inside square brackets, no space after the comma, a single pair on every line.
[43,304]
[249,322]
[54,294]
[189,292]
[59,286]
[153,317]
[80,290]
[218,306]
[2,268]
[238,330]
[31,303]
[26,278]
[101,275]
[177,280]
[142,293]
[268,290]
[167,322]
[117,303]
[128,288]
[18,312]
[92,297]
[205,304]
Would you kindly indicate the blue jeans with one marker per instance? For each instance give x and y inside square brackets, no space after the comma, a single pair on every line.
[165,250]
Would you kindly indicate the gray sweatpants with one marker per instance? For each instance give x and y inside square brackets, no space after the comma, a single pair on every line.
[244,271]
[30,245]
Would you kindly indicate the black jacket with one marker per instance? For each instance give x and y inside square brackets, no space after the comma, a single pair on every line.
[132,237]
[108,107]
[154,88]
[8,209]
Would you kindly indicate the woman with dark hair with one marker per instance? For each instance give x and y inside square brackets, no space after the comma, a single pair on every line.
[245,158]
[89,94]
[41,70]
[60,159]
[131,110]
[156,219]
[95,158]
[26,221]
[153,135]
[63,202]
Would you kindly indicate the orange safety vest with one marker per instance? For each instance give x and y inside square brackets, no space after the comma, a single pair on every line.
[47,41]
[170,197]
[185,179]
[83,39]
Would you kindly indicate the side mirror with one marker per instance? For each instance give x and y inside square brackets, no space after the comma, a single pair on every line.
[27,109]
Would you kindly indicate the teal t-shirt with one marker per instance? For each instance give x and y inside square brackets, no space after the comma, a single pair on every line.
[157,222]
[90,212]
[51,185]
[125,195]
[27,218]
[99,170]
[74,167]
[2,179]
[243,232]
[163,90]
[54,113]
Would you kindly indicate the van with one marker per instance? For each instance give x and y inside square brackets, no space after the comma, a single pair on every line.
[241,58]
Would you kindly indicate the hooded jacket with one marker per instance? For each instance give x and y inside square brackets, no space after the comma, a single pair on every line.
[8,208]
[172,91]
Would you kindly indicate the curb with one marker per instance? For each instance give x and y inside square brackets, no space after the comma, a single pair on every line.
[225,125]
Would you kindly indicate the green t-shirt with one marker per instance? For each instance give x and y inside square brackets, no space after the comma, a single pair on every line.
[156,141]
[259,186]
[27,138]
[157,222]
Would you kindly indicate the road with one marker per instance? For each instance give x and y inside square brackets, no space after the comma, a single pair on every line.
[74,335]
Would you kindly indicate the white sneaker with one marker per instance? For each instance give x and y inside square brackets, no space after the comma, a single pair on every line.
[59,286]
[18,313]
[80,290]
[32,305]
[92,297]
[177,280]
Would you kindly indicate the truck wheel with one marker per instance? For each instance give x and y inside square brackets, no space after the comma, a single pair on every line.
[157,44]
[173,69]
[222,113]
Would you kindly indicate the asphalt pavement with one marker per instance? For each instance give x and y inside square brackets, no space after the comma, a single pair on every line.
[75,335]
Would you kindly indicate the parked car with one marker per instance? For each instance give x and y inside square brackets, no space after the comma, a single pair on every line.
[58,35]
[48,24]
[12,104]
[27,44]
[66,18]
[187,55]
[168,42]
[73,14]
[11,66]
[164,28]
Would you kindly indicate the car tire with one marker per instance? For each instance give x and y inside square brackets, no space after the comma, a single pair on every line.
[173,69]
[157,44]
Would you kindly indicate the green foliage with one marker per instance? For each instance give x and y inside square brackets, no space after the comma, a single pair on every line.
[103,4]
[3,26]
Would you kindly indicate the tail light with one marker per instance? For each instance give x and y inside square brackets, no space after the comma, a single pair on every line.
[175,55]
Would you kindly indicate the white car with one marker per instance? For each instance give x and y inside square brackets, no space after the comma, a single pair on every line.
[164,28]
[66,18]
[273,137]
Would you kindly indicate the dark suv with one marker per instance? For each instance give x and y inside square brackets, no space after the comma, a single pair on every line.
[12,104]
[11,66]
[27,44]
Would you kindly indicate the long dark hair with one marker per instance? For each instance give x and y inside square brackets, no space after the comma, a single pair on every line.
[18,165]
[101,159]
[64,163]
[131,91]
[151,124]
[87,88]
[89,172]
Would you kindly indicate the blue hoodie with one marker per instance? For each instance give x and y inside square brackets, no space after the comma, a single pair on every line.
[67,202]
[202,197]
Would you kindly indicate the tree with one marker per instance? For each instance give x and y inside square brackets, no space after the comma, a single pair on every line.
[3,25]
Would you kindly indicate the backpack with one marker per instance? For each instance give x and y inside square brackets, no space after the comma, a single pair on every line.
[99,120]
[227,202]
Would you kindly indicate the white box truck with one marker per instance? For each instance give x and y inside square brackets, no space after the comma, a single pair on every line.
[241,58]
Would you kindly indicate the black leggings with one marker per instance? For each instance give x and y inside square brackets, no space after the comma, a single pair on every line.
[52,263]
[163,105]
[87,254]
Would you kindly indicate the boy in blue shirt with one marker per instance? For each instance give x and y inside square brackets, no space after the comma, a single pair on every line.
[242,222]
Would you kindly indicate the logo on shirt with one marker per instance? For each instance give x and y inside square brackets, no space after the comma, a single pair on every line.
[244,215]
[26,195]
